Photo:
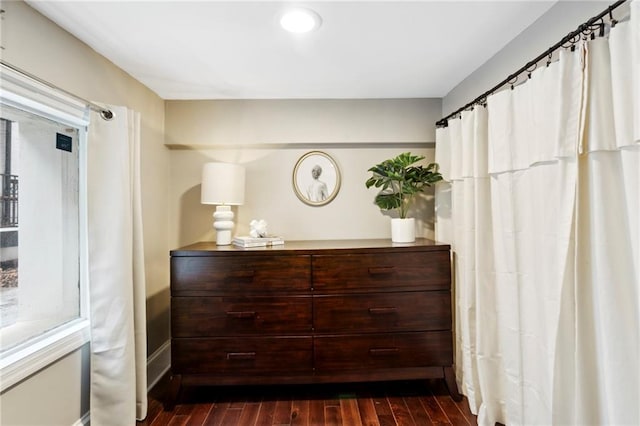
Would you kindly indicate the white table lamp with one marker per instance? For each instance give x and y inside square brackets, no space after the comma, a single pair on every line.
[222,185]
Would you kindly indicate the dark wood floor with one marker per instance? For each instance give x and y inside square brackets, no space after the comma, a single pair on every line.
[386,404]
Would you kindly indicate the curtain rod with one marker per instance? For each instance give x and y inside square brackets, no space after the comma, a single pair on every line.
[104,113]
[586,28]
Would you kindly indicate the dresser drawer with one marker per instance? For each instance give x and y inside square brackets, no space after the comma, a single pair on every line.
[408,311]
[381,272]
[229,315]
[242,356]
[240,274]
[393,350]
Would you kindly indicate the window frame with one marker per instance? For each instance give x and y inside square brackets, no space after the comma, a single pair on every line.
[36,353]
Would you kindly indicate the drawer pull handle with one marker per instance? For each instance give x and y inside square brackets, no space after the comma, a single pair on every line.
[383,311]
[241,314]
[240,355]
[242,274]
[381,270]
[384,351]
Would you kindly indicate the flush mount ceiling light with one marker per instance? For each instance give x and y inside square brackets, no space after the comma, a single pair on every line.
[300,20]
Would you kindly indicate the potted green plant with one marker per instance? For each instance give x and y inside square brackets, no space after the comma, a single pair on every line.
[400,181]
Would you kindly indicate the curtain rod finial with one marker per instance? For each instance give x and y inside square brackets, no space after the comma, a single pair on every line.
[106,114]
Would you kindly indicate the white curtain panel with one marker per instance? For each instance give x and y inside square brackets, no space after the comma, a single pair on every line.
[533,198]
[116,271]
[461,198]
[444,224]
[635,55]
[606,347]
[541,205]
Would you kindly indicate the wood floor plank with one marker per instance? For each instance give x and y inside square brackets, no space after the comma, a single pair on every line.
[332,415]
[237,399]
[179,420]
[231,417]
[367,410]
[382,406]
[437,416]
[400,411]
[349,412]
[216,414]
[238,404]
[163,418]
[316,412]
[282,413]
[184,409]
[448,405]
[463,406]
[417,410]
[199,414]
[265,415]
[383,410]
[300,412]
[415,403]
[249,414]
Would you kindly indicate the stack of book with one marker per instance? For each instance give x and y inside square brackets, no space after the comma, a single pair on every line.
[257,242]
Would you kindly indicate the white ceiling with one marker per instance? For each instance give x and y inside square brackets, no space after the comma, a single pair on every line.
[236,50]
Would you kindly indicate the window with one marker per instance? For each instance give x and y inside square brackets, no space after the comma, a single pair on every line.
[42,238]
[8,226]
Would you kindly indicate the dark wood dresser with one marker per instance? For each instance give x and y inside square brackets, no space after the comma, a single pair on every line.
[310,312]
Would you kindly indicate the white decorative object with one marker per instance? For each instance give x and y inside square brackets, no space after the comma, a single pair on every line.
[403,230]
[257,242]
[222,185]
[258,228]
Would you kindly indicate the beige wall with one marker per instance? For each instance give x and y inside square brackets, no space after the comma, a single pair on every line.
[35,44]
[284,122]
[52,398]
[269,136]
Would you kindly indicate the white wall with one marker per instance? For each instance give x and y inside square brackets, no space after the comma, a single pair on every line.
[33,43]
[560,20]
[269,137]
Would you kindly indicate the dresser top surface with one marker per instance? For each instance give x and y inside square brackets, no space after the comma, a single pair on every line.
[209,248]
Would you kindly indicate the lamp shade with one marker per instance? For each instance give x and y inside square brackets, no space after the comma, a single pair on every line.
[222,184]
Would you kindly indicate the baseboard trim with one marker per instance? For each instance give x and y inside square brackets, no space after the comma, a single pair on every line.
[158,364]
[84,420]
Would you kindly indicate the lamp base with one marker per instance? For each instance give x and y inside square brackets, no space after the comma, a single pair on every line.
[223,224]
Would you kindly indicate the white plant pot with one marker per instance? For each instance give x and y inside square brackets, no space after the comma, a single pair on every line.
[403,230]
